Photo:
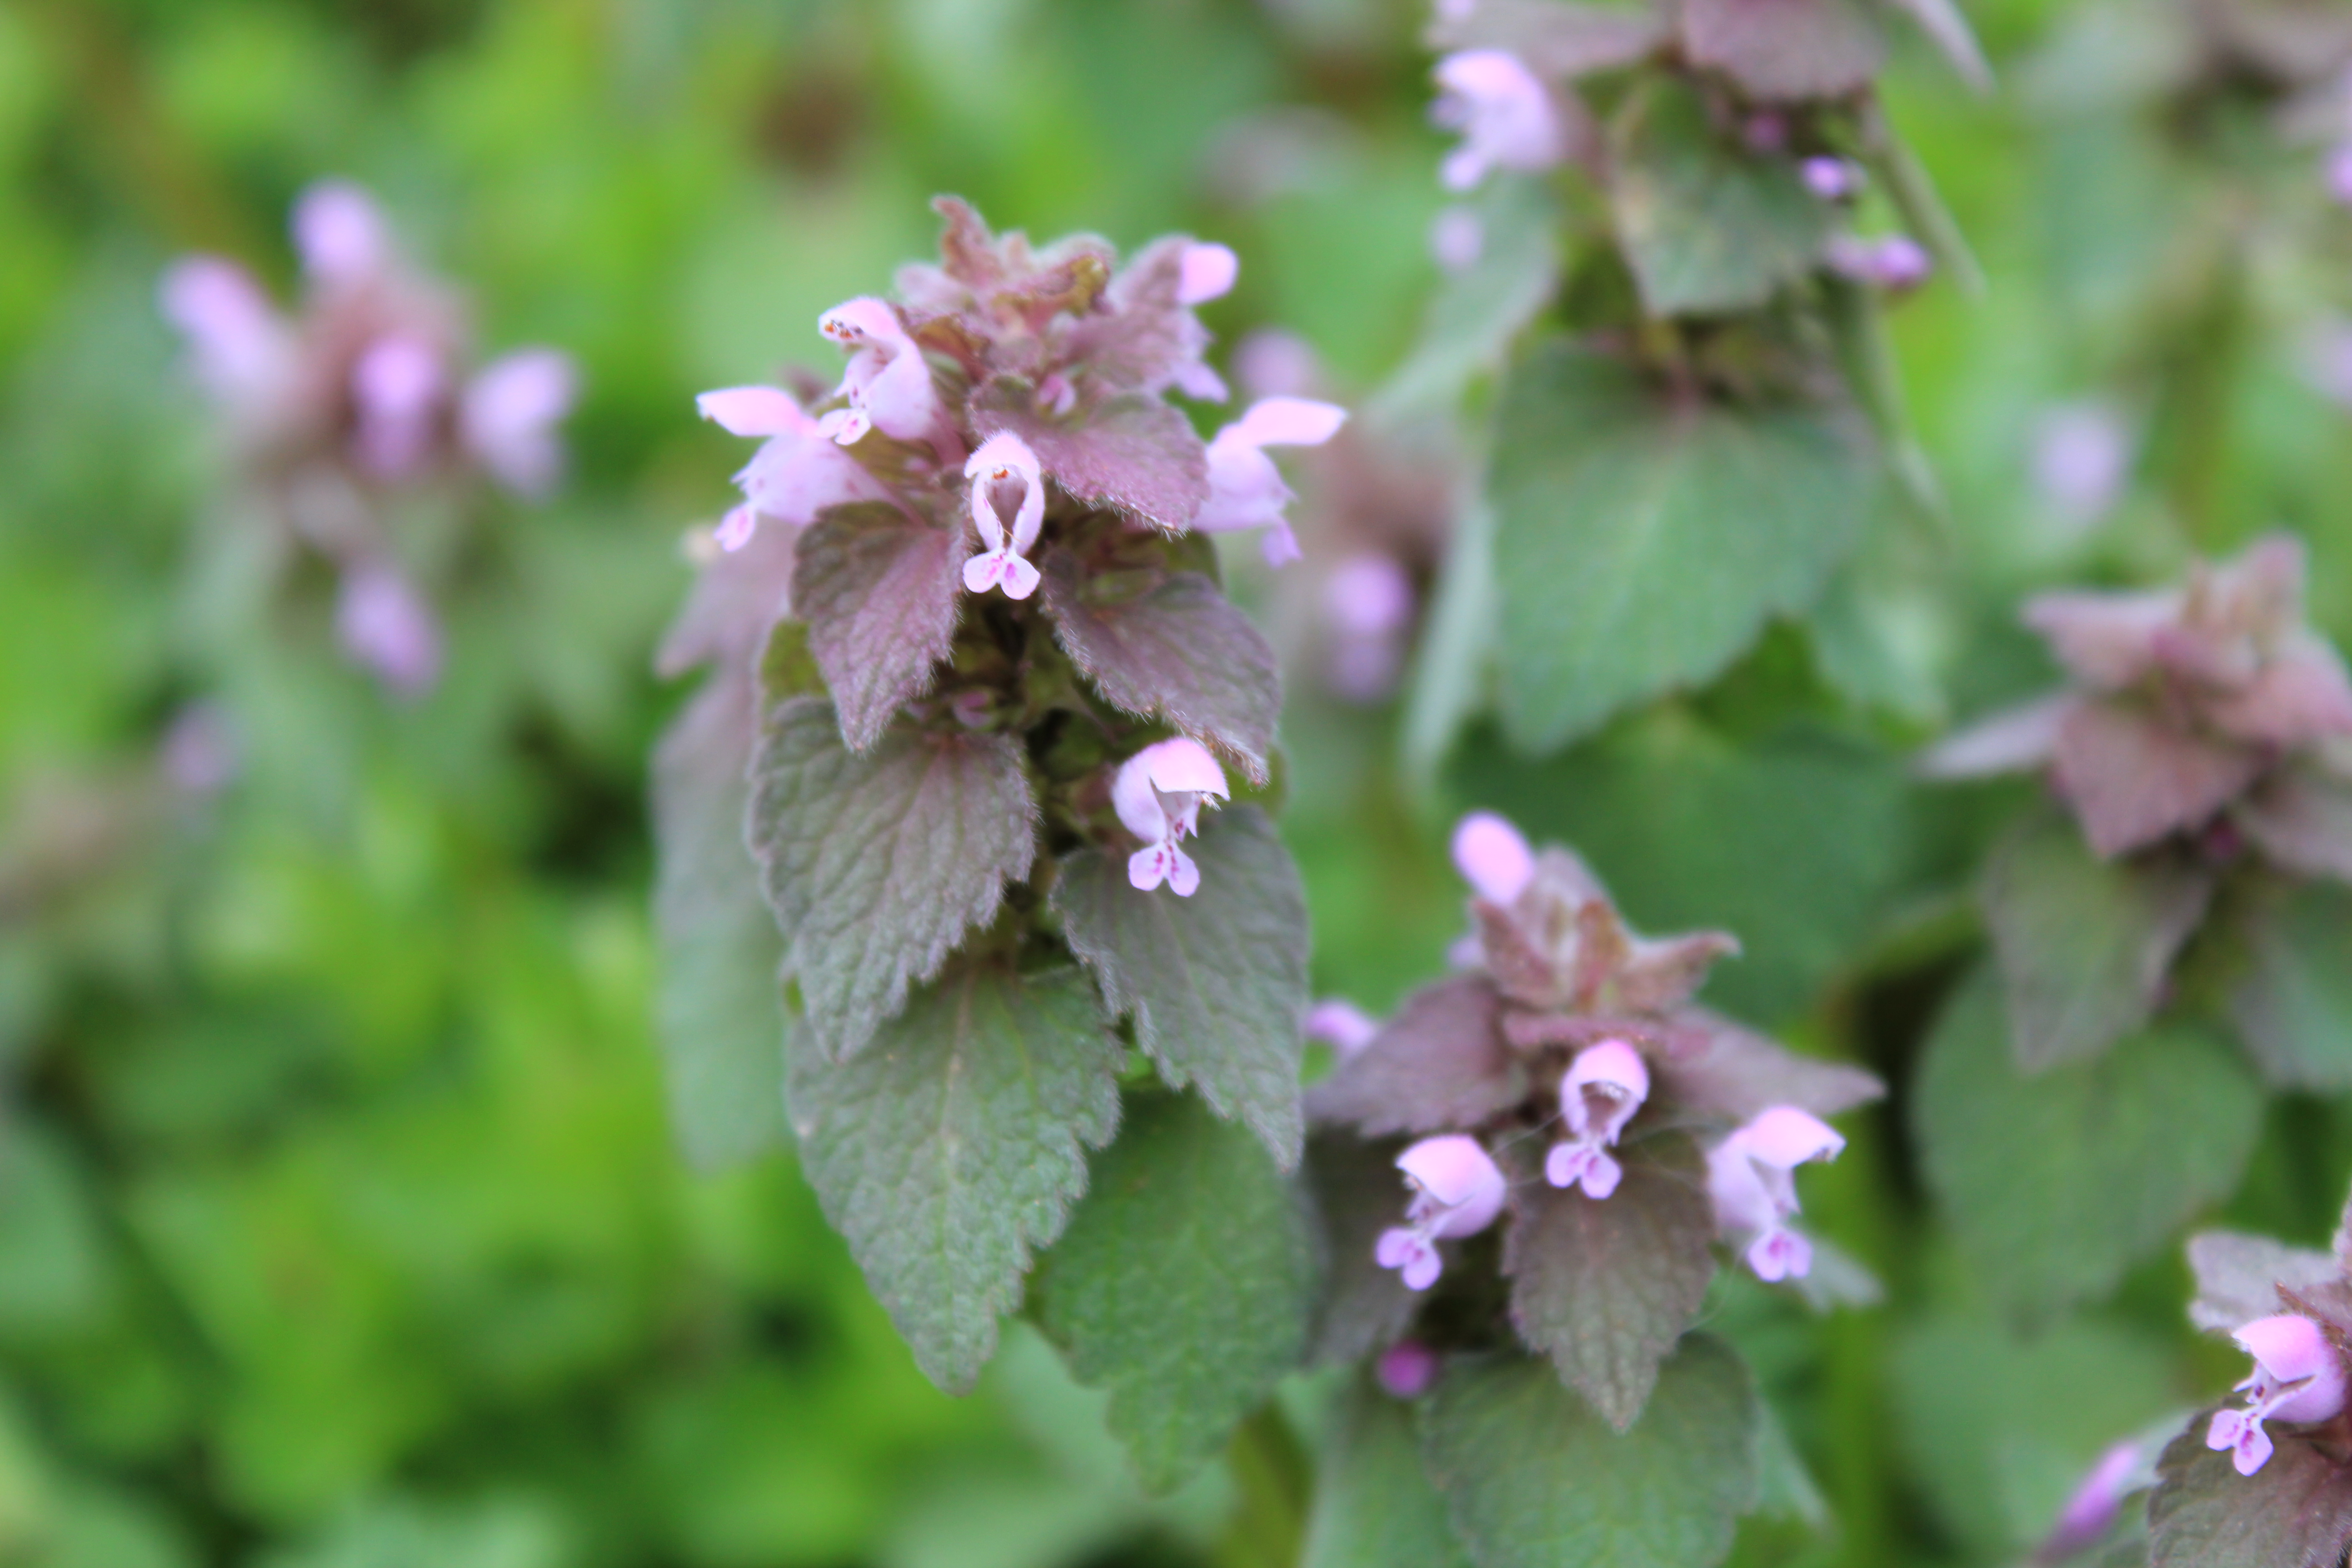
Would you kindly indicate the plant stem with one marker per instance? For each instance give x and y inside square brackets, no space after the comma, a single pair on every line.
[1275,1480]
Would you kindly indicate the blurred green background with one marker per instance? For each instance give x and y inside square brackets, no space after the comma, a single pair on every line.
[340,1222]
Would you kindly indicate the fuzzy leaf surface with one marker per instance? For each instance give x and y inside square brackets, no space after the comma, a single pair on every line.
[1184,1284]
[1441,1062]
[877,864]
[1171,645]
[1359,1193]
[1374,1506]
[1606,1288]
[1642,542]
[1786,49]
[2293,1006]
[1217,982]
[1133,453]
[2293,1512]
[2085,945]
[2301,819]
[2238,1276]
[1534,1479]
[880,590]
[955,1143]
[1706,226]
[2055,1184]
[1731,1073]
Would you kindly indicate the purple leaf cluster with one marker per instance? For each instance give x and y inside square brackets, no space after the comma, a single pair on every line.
[1564,1084]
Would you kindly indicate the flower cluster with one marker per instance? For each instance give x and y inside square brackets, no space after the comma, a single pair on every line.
[367,391]
[2207,711]
[1565,1031]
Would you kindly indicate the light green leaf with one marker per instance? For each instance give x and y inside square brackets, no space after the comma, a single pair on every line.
[1643,540]
[2294,1007]
[1374,1506]
[1535,1479]
[1707,227]
[1476,313]
[1217,982]
[1184,1284]
[2055,1184]
[955,1143]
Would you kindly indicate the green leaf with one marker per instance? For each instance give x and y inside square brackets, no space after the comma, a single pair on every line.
[1171,645]
[2055,1184]
[722,1014]
[1606,1288]
[876,865]
[1374,1506]
[1535,1479]
[1359,1193]
[1706,226]
[1441,1062]
[1943,22]
[2294,1007]
[954,1144]
[1183,1284]
[1217,982]
[2293,1512]
[1643,539]
[2085,945]
[1476,313]
[879,589]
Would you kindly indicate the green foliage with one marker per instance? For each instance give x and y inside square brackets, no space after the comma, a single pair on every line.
[1374,1506]
[2293,1007]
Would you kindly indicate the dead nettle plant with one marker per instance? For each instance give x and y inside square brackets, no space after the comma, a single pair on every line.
[2180,886]
[1581,1145]
[982,770]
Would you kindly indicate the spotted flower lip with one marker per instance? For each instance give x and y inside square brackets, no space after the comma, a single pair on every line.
[1751,1179]
[886,385]
[1505,114]
[1002,465]
[2298,1378]
[1599,1094]
[1157,793]
[1458,1191]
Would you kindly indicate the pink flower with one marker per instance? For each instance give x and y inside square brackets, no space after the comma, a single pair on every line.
[1493,857]
[200,751]
[1245,489]
[1271,363]
[1895,262]
[1206,271]
[2082,456]
[509,414]
[240,349]
[2096,1503]
[1458,238]
[1406,1369]
[1750,1177]
[797,473]
[1506,118]
[1456,1191]
[1600,1093]
[887,383]
[1002,466]
[1157,794]
[385,627]
[396,388]
[339,234]
[2298,1376]
[1343,1025]
[2339,173]
[1831,179]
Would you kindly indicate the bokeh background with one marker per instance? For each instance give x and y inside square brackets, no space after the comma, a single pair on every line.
[340,1224]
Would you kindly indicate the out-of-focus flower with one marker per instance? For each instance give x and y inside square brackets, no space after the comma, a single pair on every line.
[1493,857]
[199,753]
[1893,262]
[1831,179]
[2082,456]
[2097,1502]
[1458,238]
[1206,273]
[1407,1369]
[387,628]
[508,414]
[797,473]
[1505,115]
[1458,1191]
[1245,489]
[1157,793]
[1750,1177]
[1341,1024]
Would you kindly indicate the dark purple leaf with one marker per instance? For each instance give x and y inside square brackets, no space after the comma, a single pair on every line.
[1134,453]
[1144,335]
[1730,1073]
[877,864]
[1359,1193]
[1786,49]
[2301,817]
[1217,982]
[735,602]
[2293,1512]
[1170,646]
[1439,1063]
[880,590]
[2133,779]
[1606,1288]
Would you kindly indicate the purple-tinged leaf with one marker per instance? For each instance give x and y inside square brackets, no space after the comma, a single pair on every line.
[1133,453]
[1559,42]
[1731,1073]
[2293,1005]
[1606,1288]
[1359,1193]
[2133,779]
[2238,1276]
[2085,945]
[877,864]
[1786,49]
[1439,1063]
[2301,817]
[1146,334]
[735,602]
[1217,982]
[2293,1512]
[880,590]
[955,1145]
[1534,1479]
[1171,645]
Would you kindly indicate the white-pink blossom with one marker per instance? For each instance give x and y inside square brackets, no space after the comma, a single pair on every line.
[1004,473]
[796,474]
[340,234]
[398,385]
[386,626]
[1458,1191]
[887,384]
[1750,1177]
[1599,1094]
[1493,857]
[1245,489]
[1505,115]
[240,348]
[2298,1376]
[508,415]
[1157,794]
[1340,1024]
[1204,272]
